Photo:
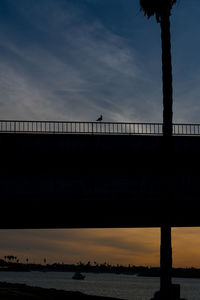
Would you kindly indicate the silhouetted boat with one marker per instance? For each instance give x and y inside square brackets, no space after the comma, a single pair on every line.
[78,276]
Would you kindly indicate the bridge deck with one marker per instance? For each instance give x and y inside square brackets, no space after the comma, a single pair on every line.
[85,180]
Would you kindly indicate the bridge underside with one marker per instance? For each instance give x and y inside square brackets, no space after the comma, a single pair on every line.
[34,215]
[78,181]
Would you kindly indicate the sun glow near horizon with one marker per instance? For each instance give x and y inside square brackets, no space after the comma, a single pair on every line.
[134,246]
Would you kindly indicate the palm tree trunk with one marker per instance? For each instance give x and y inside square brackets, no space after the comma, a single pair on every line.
[166,248]
[165,262]
[166,75]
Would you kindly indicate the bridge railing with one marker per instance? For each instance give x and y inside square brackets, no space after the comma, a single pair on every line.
[63,127]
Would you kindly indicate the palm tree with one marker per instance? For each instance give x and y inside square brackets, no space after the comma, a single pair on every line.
[162,12]
[161,9]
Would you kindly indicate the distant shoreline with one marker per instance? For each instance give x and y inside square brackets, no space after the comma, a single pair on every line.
[13,291]
[144,271]
[148,274]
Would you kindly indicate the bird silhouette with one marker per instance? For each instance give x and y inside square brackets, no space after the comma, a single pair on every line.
[100,118]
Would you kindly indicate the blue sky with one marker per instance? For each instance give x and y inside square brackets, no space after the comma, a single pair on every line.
[77,59]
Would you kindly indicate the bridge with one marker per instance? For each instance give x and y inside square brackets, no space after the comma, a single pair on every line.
[97,174]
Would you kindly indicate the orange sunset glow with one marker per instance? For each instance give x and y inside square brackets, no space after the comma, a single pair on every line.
[114,246]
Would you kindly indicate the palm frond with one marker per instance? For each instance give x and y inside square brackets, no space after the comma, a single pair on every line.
[156,7]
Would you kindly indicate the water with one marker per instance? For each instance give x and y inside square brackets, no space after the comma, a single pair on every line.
[110,285]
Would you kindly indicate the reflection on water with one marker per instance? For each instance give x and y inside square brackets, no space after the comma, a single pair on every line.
[111,285]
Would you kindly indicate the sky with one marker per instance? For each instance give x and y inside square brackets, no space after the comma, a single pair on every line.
[76,59]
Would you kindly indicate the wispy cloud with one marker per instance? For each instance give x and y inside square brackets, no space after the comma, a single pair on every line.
[186,247]
[63,67]
[134,246]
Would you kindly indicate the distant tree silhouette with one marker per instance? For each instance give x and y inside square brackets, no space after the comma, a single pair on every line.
[89,263]
[161,9]
[10,257]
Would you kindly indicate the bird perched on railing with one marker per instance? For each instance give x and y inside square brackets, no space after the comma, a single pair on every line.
[100,118]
